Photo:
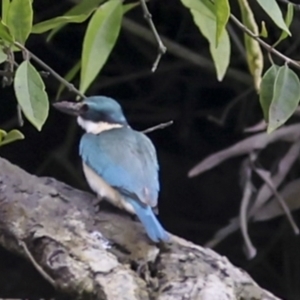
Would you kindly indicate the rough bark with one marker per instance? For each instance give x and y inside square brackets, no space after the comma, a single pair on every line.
[104,255]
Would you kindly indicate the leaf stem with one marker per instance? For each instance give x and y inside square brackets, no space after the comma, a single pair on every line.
[161,47]
[69,85]
[264,44]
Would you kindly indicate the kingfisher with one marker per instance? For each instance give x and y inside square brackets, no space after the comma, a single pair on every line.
[119,163]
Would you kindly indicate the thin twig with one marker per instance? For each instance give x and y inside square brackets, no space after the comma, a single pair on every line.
[20,116]
[283,168]
[159,126]
[264,44]
[184,52]
[36,265]
[264,175]
[69,85]
[243,218]
[161,47]
[44,74]
[297,6]
[262,196]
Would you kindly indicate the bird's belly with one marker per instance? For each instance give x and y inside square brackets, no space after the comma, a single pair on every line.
[104,190]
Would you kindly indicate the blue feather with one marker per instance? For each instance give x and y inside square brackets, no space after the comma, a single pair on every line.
[126,160]
[152,226]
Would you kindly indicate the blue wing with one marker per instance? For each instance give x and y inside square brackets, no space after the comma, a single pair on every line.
[125,159]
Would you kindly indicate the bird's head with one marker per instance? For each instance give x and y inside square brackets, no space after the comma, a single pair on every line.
[95,114]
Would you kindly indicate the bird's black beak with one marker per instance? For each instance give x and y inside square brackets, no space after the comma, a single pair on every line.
[70,108]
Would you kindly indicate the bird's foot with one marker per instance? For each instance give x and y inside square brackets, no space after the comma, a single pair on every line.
[96,203]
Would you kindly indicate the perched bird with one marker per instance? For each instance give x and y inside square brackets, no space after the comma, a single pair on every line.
[119,163]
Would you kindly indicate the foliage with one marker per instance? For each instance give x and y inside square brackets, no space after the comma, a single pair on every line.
[212,26]
[30,92]
[16,26]
[98,41]
[211,16]
[13,135]
[278,91]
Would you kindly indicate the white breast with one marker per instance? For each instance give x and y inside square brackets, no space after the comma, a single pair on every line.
[95,127]
[104,190]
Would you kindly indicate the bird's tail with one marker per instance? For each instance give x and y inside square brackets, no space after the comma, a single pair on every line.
[152,226]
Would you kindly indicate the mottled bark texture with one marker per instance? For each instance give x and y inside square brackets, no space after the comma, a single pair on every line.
[82,253]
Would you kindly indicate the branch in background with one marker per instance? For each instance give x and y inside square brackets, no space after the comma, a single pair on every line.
[266,177]
[262,196]
[184,53]
[264,44]
[247,193]
[289,133]
[161,47]
[20,116]
[296,6]
[69,85]
[159,126]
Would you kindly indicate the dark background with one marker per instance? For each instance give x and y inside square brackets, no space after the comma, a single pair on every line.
[180,90]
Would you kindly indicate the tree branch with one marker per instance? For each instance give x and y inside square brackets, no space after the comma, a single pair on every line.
[264,44]
[183,52]
[69,85]
[106,255]
[297,6]
[161,47]
[159,126]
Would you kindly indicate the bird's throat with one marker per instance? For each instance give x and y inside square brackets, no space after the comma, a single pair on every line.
[96,127]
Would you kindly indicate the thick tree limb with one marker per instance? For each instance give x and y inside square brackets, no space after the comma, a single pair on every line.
[106,255]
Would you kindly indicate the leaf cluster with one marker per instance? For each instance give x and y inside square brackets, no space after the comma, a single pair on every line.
[278,88]
[278,91]
[16,26]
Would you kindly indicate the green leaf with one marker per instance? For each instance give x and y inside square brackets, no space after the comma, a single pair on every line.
[267,90]
[69,77]
[5,34]
[264,31]
[19,19]
[3,56]
[30,92]
[271,7]
[205,19]
[82,8]
[129,6]
[58,21]
[222,10]
[5,7]
[13,135]
[100,37]
[286,97]
[288,21]
[2,134]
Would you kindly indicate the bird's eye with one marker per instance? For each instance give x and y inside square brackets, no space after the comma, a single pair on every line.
[84,108]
